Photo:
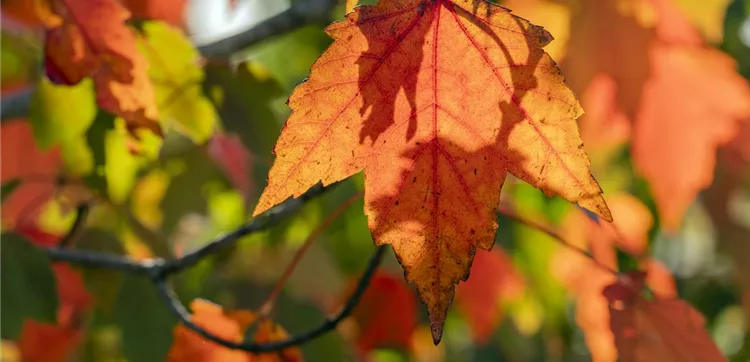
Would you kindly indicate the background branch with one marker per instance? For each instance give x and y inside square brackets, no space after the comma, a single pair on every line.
[179,311]
[159,270]
[299,14]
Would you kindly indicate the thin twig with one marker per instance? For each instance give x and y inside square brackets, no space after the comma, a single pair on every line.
[260,223]
[179,311]
[72,236]
[102,260]
[268,305]
[158,266]
[555,235]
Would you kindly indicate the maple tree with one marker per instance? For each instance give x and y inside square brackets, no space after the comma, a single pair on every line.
[139,172]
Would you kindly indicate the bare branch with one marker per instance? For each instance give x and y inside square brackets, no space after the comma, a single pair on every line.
[160,267]
[179,311]
[301,13]
[263,222]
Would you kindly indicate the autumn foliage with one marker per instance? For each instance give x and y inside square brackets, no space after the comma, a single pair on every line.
[556,180]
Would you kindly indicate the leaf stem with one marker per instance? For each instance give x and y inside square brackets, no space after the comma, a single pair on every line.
[267,306]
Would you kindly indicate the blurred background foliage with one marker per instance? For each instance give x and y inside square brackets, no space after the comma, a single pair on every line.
[160,198]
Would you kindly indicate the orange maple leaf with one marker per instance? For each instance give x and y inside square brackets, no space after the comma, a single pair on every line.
[586,280]
[670,83]
[93,40]
[230,325]
[657,330]
[436,100]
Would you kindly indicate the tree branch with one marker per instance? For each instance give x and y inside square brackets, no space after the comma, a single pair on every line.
[160,267]
[299,14]
[159,270]
[179,311]
[259,223]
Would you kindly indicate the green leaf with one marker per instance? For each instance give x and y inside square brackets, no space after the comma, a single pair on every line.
[121,166]
[144,319]
[115,167]
[60,115]
[28,285]
[177,79]
[8,188]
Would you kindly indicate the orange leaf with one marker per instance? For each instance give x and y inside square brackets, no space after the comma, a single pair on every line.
[230,325]
[587,280]
[696,96]
[386,316]
[436,101]
[659,330]
[671,82]
[492,280]
[23,159]
[42,342]
[170,11]
[31,12]
[93,40]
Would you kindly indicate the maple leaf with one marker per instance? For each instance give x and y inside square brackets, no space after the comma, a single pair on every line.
[230,325]
[656,330]
[436,100]
[386,316]
[587,278]
[493,279]
[93,40]
[667,57]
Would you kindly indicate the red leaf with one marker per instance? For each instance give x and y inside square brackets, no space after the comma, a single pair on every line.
[386,316]
[493,279]
[37,169]
[42,342]
[661,330]
[234,159]
[93,40]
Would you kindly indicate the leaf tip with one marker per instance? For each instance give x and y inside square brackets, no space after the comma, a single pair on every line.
[437,331]
[596,205]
